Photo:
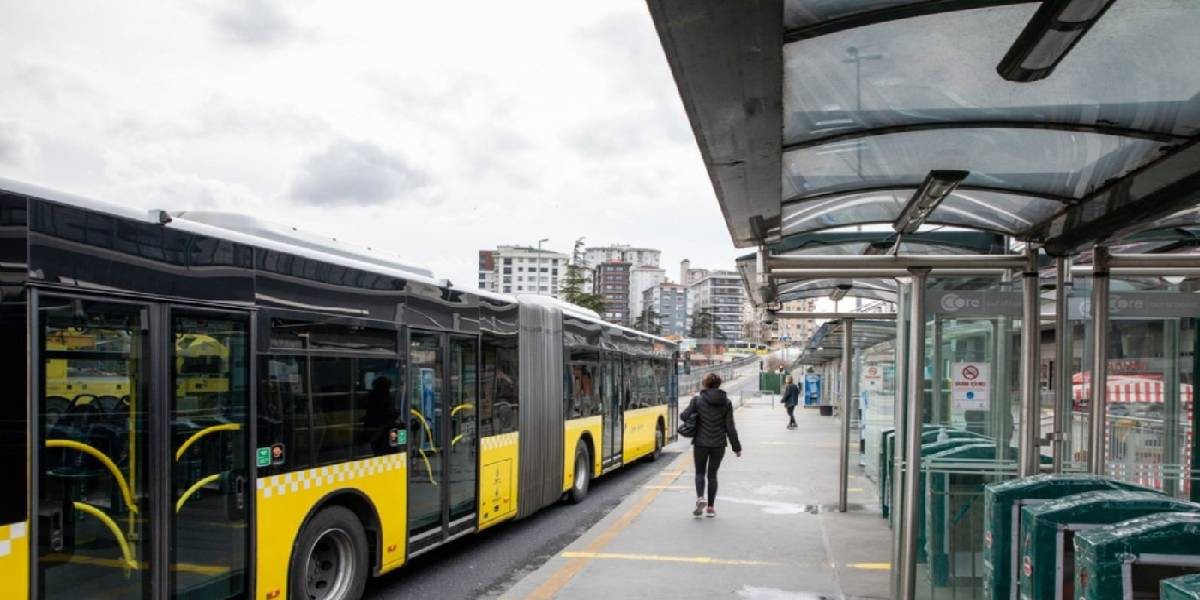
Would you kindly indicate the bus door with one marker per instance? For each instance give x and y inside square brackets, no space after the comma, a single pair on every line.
[442,438]
[142,435]
[612,416]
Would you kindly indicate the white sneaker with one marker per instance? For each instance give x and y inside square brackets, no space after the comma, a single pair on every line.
[699,507]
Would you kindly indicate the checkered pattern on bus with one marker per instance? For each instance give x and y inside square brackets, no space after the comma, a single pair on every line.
[279,485]
[499,441]
[9,534]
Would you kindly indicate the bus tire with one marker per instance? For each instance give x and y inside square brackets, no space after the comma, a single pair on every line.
[659,439]
[583,474]
[329,560]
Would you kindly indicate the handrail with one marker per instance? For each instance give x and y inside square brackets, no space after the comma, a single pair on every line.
[192,490]
[203,432]
[428,467]
[112,526]
[455,410]
[126,492]
[416,413]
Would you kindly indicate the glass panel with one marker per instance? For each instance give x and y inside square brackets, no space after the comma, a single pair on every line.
[498,390]
[14,424]
[425,434]
[1130,70]
[92,507]
[1150,417]
[334,415]
[377,390]
[1031,161]
[463,444]
[991,211]
[283,413]
[209,480]
[612,418]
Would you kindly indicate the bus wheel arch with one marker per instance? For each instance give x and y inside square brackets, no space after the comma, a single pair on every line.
[590,446]
[362,507]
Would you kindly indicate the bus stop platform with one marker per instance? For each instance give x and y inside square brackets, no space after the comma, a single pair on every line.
[777,534]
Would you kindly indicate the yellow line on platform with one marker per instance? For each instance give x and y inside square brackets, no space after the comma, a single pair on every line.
[854,489]
[871,566]
[560,578]
[705,560]
[666,487]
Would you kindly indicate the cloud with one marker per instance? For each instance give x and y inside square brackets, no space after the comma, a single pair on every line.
[354,173]
[253,23]
[16,147]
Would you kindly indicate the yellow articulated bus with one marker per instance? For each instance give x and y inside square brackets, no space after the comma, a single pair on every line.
[217,407]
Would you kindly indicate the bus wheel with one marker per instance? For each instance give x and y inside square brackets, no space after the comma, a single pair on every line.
[329,560]
[659,440]
[583,475]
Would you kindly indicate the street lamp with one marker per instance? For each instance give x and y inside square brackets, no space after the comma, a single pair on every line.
[853,55]
[538,289]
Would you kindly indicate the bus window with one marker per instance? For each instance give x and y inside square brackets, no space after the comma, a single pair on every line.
[283,413]
[498,386]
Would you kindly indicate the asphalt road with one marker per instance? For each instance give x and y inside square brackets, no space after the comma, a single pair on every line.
[484,565]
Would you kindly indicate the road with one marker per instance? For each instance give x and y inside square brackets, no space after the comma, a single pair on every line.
[484,565]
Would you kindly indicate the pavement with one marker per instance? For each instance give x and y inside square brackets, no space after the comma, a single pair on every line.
[777,535]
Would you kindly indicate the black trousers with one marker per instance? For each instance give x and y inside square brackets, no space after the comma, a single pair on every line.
[791,408]
[708,460]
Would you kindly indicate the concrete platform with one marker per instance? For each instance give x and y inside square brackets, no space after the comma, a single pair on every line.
[777,534]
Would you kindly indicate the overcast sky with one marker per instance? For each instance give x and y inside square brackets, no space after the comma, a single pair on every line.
[432,129]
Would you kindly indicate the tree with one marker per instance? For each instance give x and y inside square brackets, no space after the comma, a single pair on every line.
[648,321]
[573,282]
[704,325]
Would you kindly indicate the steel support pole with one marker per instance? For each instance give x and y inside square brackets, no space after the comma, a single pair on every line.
[912,433]
[847,379]
[901,261]
[903,297]
[1062,372]
[1099,377]
[1031,411]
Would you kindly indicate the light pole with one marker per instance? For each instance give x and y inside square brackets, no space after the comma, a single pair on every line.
[538,289]
[854,56]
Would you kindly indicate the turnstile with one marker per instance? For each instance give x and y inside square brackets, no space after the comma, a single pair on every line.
[1130,559]
[1002,521]
[1047,563]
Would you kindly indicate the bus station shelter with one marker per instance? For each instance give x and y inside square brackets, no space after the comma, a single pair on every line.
[1021,180]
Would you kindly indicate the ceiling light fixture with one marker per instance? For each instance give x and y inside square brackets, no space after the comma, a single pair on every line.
[840,292]
[1052,32]
[935,188]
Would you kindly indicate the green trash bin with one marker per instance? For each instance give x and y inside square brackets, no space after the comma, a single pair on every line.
[1180,588]
[1130,559]
[1048,531]
[1001,521]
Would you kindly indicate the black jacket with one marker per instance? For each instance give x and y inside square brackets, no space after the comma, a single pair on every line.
[715,413]
[791,395]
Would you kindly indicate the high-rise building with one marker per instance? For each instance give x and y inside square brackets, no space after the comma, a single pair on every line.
[642,278]
[522,270]
[718,293]
[637,257]
[670,302]
[611,282]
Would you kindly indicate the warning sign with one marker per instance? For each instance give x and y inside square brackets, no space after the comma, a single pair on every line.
[872,378]
[971,386]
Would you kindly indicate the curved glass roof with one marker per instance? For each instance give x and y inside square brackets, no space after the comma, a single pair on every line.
[873,95]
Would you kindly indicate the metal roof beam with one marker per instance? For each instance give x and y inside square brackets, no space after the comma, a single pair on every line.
[901,186]
[893,13]
[1102,129]
[901,261]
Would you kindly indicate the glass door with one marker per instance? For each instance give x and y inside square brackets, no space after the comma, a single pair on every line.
[142,429]
[463,454]
[611,416]
[426,440]
[209,449]
[93,498]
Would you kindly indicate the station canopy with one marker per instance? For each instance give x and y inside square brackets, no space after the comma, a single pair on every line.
[817,115]
[826,343]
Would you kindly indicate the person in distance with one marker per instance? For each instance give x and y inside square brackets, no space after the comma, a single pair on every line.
[791,397]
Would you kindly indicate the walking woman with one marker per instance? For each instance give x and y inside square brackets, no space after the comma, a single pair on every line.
[791,397]
[714,414]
